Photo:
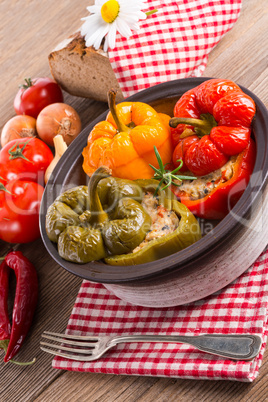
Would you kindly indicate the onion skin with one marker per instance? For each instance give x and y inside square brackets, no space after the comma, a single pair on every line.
[58,119]
[18,127]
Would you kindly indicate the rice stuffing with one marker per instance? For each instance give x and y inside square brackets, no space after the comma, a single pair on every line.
[164,221]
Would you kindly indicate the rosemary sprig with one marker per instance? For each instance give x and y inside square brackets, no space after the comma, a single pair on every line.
[167,176]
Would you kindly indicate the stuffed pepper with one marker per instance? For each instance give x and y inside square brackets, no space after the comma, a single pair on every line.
[211,132]
[125,141]
[120,221]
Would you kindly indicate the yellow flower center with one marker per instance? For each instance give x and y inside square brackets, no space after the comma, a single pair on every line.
[110,10]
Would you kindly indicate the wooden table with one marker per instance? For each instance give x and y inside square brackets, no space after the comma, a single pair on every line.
[29,31]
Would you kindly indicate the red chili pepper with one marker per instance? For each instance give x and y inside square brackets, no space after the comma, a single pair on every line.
[220,114]
[224,196]
[5,327]
[24,303]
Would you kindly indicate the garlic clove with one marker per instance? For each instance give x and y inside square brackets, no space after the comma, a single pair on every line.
[60,147]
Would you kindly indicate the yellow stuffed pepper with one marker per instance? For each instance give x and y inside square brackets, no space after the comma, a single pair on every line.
[125,141]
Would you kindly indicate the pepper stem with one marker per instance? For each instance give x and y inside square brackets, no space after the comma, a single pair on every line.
[23,363]
[98,216]
[203,126]
[4,344]
[112,106]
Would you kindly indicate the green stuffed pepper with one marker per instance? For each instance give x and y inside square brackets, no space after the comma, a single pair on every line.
[120,221]
[173,227]
[85,232]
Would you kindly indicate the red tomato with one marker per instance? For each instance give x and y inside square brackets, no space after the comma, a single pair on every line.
[36,94]
[19,211]
[26,159]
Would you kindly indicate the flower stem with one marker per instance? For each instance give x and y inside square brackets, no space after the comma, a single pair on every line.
[151,12]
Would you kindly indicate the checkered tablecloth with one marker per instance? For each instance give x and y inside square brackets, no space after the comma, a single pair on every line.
[173,43]
[240,308]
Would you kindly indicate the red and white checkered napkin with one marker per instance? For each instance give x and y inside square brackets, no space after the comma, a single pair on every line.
[240,308]
[173,43]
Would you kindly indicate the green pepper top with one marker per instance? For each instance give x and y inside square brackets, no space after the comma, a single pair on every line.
[107,221]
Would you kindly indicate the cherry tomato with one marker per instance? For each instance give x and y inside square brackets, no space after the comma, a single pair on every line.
[26,159]
[36,94]
[19,211]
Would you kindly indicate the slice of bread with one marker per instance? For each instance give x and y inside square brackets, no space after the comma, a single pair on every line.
[83,71]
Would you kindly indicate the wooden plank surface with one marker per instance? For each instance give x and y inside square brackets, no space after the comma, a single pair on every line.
[28,32]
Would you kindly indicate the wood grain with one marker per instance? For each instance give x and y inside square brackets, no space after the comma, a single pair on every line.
[28,32]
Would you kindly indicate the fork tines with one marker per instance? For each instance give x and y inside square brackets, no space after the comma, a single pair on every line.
[83,354]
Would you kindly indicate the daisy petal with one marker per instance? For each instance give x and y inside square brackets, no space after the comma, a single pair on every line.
[98,41]
[97,37]
[88,30]
[92,24]
[123,28]
[111,35]
[93,9]
[94,28]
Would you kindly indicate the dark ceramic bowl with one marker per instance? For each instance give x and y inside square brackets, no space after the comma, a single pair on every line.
[68,173]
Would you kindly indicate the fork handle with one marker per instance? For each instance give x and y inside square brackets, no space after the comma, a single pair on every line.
[236,347]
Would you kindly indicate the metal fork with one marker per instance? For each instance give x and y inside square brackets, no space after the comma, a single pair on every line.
[88,348]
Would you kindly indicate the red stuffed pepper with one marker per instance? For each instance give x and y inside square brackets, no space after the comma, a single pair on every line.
[214,195]
[211,123]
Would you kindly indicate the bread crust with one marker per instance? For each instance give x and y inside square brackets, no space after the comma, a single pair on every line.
[83,71]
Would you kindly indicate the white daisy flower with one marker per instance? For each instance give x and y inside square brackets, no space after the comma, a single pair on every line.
[108,17]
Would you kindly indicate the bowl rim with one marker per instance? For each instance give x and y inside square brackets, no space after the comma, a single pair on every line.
[102,273]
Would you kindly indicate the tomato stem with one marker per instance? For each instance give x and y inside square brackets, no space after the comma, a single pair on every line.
[3,188]
[29,83]
[17,152]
